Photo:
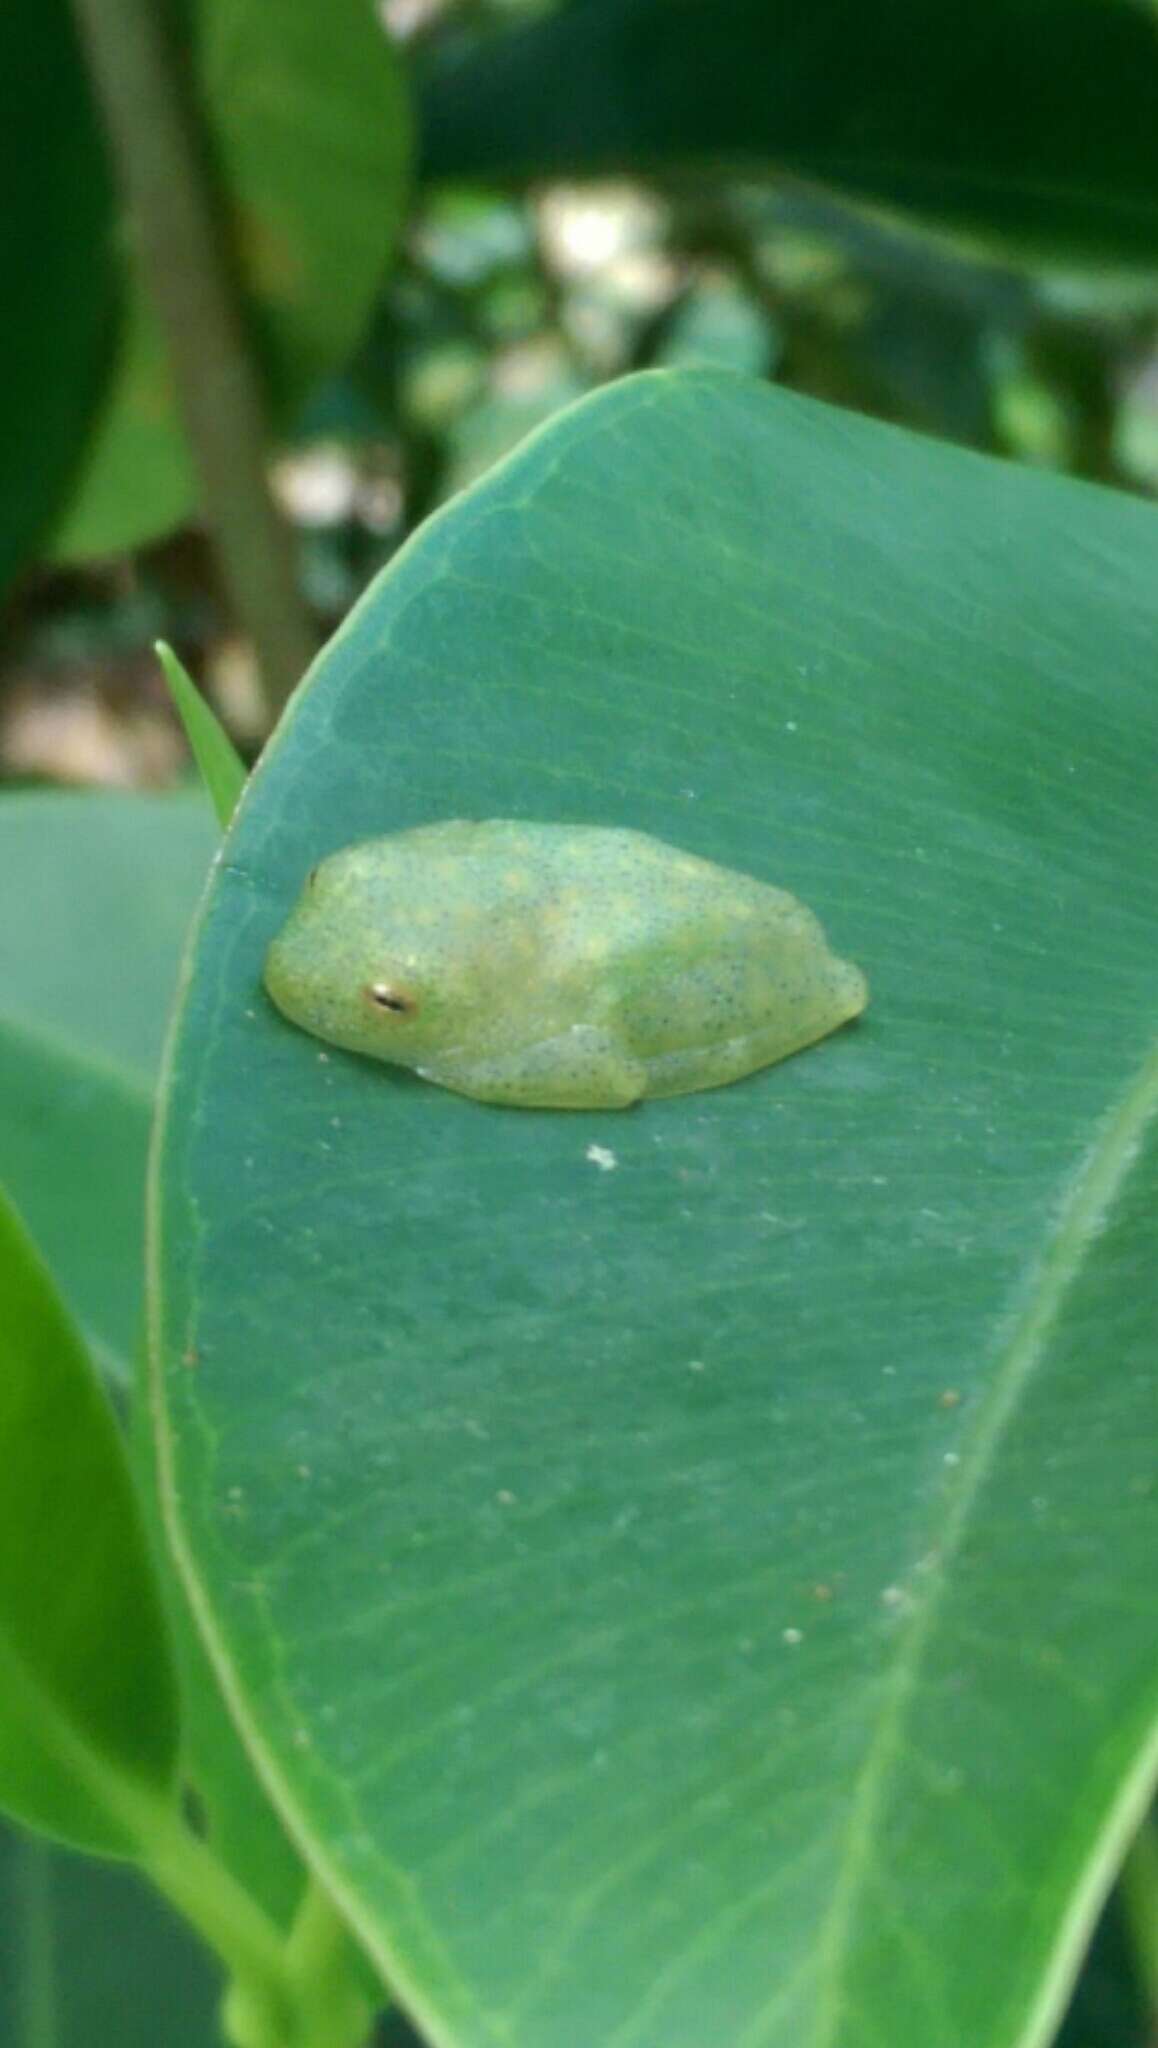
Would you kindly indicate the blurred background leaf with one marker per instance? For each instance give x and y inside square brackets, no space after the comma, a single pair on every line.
[89,1955]
[89,1730]
[1029,123]
[56,260]
[89,949]
[88,969]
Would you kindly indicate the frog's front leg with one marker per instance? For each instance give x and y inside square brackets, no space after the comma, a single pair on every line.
[585,1067]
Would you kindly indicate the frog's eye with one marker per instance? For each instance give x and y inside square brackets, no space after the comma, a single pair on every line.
[385,997]
[312,877]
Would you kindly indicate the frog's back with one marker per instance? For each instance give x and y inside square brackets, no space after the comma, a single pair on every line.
[707,973]
[631,882]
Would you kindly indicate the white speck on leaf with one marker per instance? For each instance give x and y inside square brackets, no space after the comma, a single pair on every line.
[600,1156]
[792,1636]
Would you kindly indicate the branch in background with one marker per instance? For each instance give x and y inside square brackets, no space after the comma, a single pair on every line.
[185,262]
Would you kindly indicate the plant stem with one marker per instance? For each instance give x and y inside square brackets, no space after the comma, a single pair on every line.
[262,2001]
[325,1970]
[1139,1887]
[162,159]
[304,1991]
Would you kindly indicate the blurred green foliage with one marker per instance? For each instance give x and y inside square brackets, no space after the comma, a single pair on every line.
[511,298]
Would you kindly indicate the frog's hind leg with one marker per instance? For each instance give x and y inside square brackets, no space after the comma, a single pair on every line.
[695,1067]
[583,1068]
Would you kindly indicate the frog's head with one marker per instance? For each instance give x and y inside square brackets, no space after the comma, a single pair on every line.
[365,962]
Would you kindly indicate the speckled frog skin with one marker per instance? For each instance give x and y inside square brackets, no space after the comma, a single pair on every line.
[555,966]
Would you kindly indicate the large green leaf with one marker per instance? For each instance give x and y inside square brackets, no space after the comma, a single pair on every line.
[88,1720]
[89,945]
[56,260]
[1026,122]
[698,1588]
[307,115]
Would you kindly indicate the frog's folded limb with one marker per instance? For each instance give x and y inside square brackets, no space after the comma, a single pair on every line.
[584,1067]
[713,1066]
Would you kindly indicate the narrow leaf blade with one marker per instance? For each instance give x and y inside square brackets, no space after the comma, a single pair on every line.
[222,768]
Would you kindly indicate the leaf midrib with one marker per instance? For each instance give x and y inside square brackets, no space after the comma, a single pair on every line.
[1092,1192]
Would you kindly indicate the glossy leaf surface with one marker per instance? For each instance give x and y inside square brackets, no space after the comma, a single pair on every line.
[671,1561]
